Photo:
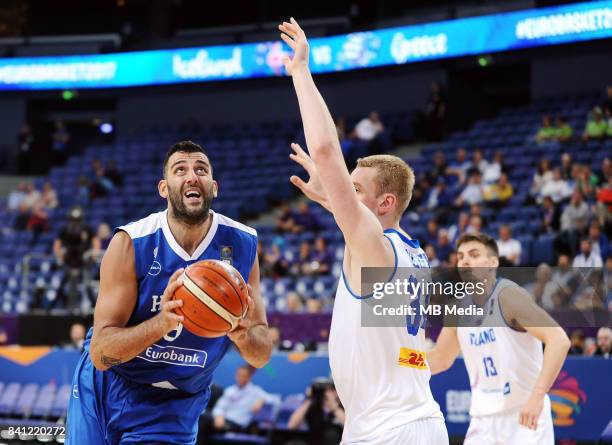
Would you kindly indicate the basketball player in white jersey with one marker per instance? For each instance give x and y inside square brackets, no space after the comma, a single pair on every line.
[509,374]
[380,374]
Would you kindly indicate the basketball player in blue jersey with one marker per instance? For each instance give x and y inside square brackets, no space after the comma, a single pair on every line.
[385,394]
[143,378]
[509,374]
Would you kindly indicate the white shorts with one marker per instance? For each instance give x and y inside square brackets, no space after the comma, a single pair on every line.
[504,429]
[431,431]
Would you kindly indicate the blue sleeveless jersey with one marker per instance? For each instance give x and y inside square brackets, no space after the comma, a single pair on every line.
[180,359]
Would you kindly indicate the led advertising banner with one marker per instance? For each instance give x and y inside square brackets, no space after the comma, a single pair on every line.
[393,46]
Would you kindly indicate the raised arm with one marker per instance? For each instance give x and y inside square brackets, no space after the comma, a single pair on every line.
[444,353]
[251,336]
[362,231]
[113,343]
[521,311]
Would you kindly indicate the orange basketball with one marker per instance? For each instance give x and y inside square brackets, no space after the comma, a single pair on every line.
[215,298]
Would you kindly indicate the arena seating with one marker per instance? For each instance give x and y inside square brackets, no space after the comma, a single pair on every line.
[252,166]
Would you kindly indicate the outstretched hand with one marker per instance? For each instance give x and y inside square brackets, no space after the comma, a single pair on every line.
[294,36]
[313,188]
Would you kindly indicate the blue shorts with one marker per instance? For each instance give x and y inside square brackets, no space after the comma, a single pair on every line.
[106,409]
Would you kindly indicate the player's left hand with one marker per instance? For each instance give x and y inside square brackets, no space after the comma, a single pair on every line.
[530,413]
[294,36]
[239,333]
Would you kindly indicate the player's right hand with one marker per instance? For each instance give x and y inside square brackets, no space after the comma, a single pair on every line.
[294,36]
[167,317]
[313,188]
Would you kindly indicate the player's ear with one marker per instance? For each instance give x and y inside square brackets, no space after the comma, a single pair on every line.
[215,188]
[388,203]
[162,188]
[495,261]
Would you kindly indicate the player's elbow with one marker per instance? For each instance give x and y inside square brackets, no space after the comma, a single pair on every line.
[262,359]
[321,151]
[96,356]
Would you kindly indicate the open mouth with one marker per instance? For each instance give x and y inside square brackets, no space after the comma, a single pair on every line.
[193,196]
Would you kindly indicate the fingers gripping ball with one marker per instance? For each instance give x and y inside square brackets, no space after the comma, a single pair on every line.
[215,298]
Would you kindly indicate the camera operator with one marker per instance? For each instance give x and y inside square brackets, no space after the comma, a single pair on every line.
[322,412]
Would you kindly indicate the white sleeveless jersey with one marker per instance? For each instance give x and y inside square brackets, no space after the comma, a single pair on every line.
[503,364]
[380,373]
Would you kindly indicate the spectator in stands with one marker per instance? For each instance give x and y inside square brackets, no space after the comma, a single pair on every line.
[284,220]
[543,287]
[604,342]
[443,245]
[113,174]
[479,163]
[473,192]
[23,216]
[566,166]
[301,263]
[546,132]
[557,188]
[576,214]
[82,192]
[78,332]
[16,197]
[431,235]
[322,413]
[592,294]
[101,240]
[59,142]
[101,186]
[499,193]
[434,115]
[32,195]
[438,196]
[274,263]
[321,258]
[460,166]
[607,104]
[585,181]
[494,169]
[543,175]
[235,409]
[551,216]
[313,306]
[38,221]
[294,303]
[600,245]
[563,130]
[439,168]
[475,225]
[587,258]
[25,144]
[305,220]
[604,175]
[452,260]
[458,229]
[577,340]
[49,196]
[565,282]
[73,241]
[509,248]
[596,126]
[432,257]
[368,128]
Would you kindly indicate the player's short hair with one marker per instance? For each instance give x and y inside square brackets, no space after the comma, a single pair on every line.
[183,147]
[482,238]
[394,176]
